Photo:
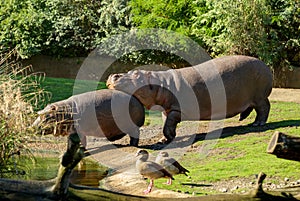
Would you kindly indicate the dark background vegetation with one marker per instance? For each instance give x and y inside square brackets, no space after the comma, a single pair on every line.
[267,29]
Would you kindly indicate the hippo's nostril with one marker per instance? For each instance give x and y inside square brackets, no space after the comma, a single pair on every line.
[116,77]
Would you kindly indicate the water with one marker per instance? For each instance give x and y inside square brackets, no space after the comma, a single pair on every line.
[88,173]
[45,167]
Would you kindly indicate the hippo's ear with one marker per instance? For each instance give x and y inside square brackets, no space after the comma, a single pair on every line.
[47,109]
[135,74]
[148,78]
[53,107]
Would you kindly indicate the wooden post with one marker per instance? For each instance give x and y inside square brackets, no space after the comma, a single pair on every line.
[258,192]
[284,146]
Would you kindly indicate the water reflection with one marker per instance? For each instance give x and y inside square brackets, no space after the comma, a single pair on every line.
[88,173]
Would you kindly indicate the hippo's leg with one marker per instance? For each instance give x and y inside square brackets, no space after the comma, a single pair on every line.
[72,148]
[262,110]
[117,137]
[134,137]
[246,113]
[83,141]
[134,142]
[173,118]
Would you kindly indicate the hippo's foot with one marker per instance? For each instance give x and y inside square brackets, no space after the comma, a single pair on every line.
[164,140]
[258,123]
[134,142]
[262,111]
[169,130]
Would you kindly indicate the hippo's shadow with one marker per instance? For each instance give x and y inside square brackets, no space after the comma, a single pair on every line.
[189,139]
[245,129]
[183,141]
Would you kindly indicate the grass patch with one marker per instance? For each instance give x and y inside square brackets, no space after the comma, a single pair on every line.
[62,88]
[241,153]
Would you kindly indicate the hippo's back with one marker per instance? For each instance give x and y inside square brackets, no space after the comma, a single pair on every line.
[245,75]
[108,112]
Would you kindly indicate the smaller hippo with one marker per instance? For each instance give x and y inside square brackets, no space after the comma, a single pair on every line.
[102,113]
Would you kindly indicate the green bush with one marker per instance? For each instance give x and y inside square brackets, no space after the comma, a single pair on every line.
[79,26]
[266,29]
[23,26]
[170,15]
[60,27]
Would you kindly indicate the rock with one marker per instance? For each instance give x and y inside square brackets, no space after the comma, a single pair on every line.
[223,190]
[235,188]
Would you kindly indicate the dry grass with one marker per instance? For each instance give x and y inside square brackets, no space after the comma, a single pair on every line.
[19,95]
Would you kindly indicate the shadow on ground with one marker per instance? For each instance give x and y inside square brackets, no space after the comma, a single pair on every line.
[182,141]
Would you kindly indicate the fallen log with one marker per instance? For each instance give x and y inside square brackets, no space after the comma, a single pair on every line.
[12,190]
[284,146]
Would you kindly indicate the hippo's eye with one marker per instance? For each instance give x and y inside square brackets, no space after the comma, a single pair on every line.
[48,117]
[135,73]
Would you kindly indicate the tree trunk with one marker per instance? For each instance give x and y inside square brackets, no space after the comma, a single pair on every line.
[284,146]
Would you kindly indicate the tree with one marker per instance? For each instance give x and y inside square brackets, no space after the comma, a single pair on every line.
[266,29]
[60,27]
[23,26]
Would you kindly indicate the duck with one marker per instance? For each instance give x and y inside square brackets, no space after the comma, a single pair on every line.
[150,169]
[170,164]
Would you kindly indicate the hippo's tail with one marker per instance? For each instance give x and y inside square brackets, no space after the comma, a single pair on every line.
[246,113]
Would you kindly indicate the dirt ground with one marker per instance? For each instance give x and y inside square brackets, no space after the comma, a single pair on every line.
[286,95]
[123,176]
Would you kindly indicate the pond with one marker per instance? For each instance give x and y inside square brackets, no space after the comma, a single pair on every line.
[43,167]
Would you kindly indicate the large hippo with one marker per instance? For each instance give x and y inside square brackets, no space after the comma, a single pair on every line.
[102,113]
[217,89]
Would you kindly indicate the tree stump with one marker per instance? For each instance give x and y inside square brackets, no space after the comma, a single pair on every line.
[70,159]
[284,146]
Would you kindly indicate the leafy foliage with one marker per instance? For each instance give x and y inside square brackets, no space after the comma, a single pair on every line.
[23,26]
[78,26]
[171,15]
[154,46]
[267,29]
[60,27]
